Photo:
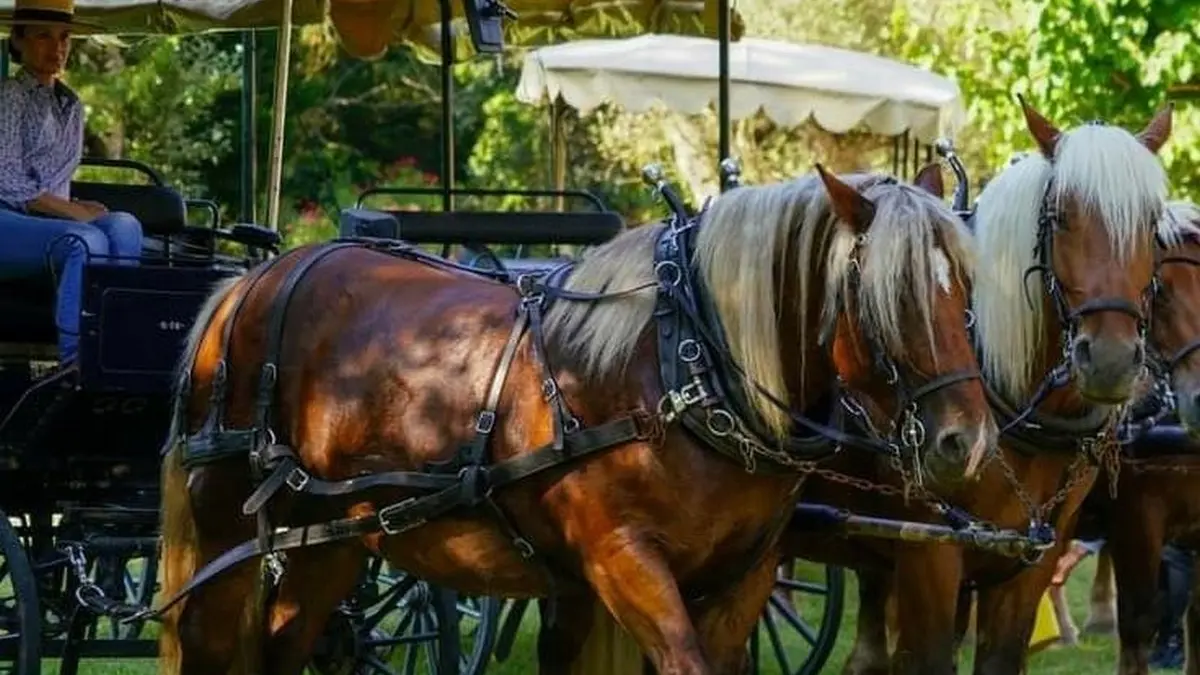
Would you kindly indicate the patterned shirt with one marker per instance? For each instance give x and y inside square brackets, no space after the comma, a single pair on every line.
[41,139]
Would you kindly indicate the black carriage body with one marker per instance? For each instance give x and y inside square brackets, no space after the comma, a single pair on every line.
[95,434]
[79,447]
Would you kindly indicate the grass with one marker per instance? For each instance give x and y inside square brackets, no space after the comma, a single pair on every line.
[1094,654]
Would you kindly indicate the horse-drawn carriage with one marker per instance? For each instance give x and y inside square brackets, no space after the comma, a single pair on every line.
[81,478]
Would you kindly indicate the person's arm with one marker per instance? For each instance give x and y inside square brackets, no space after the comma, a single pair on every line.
[57,207]
[18,186]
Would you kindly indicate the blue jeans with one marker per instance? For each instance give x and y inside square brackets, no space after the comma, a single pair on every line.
[28,243]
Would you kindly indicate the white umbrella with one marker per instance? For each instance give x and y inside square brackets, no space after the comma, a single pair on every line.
[840,89]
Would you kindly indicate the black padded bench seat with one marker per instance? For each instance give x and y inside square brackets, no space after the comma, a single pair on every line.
[161,210]
[484,227]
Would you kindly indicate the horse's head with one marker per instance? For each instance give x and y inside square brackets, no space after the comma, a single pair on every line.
[895,316]
[1102,192]
[1175,332]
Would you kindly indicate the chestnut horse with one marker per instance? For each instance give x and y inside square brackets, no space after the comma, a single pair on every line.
[1081,214]
[394,370]
[1158,487]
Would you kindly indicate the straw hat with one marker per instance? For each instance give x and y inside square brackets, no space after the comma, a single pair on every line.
[48,13]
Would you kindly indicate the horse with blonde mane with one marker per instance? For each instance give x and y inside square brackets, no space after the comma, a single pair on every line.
[1157,500]
[1081,215]
[628,427]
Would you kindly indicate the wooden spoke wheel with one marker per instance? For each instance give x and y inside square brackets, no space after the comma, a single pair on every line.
[396,624]
[799,626]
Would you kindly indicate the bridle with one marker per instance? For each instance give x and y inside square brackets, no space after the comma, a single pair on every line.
[911,419]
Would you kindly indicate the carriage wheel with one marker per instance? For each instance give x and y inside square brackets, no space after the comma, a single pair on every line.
[393,624]
[21,627]
[801,621]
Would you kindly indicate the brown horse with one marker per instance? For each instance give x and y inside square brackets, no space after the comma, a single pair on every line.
[1081,213]
[394,370]
[1158,487]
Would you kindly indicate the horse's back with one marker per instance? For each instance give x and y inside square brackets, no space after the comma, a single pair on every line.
[374,349]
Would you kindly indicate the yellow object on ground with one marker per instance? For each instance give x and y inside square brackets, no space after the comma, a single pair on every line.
[1046,630]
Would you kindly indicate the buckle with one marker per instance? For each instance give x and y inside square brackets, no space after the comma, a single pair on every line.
[523,547]
[384,514]
[485,422]
[297,479]
[692,393]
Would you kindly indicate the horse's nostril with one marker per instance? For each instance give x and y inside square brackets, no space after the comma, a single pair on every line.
[1082,352]
[1139,352]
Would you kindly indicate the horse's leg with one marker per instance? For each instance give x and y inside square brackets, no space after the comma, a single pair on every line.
[869,655]
[561,642]
[927,583]
[315,581]
[637,587]
[1137,556]
[1191,624]
[724,623]
[211,621]
[963,622]
[1102,608]
[1007,613]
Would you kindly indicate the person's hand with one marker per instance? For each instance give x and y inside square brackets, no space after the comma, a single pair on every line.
[92,209]
[1067,563]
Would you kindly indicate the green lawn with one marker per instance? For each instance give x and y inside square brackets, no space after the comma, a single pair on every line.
[1093,655]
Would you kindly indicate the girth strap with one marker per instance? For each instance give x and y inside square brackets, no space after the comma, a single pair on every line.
[288,471]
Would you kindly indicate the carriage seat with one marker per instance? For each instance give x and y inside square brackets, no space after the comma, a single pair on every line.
[161,210]
[586,228]
[163,213]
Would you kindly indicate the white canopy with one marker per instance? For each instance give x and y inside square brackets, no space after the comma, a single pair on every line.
[838,88]
[186,16]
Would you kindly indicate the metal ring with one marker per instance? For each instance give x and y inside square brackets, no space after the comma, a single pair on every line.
[672,280]
[689,351]
[718,430]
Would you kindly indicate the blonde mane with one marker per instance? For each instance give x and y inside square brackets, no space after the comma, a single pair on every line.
[1181,219]
[1105,169]
[746,241]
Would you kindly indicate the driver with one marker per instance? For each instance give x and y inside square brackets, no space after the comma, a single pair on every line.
[41,143]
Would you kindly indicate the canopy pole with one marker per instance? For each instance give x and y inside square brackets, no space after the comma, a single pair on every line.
[723,90]
[249,210]
[447,107]
[283,59]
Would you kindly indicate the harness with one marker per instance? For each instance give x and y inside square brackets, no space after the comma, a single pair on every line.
[703,388]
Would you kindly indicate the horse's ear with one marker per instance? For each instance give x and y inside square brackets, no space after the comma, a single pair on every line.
[930,179]
[1045,133]
[1156,133]
[848,205]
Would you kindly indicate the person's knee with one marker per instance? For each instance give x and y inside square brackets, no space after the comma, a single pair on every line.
[79,242]
[124,233]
